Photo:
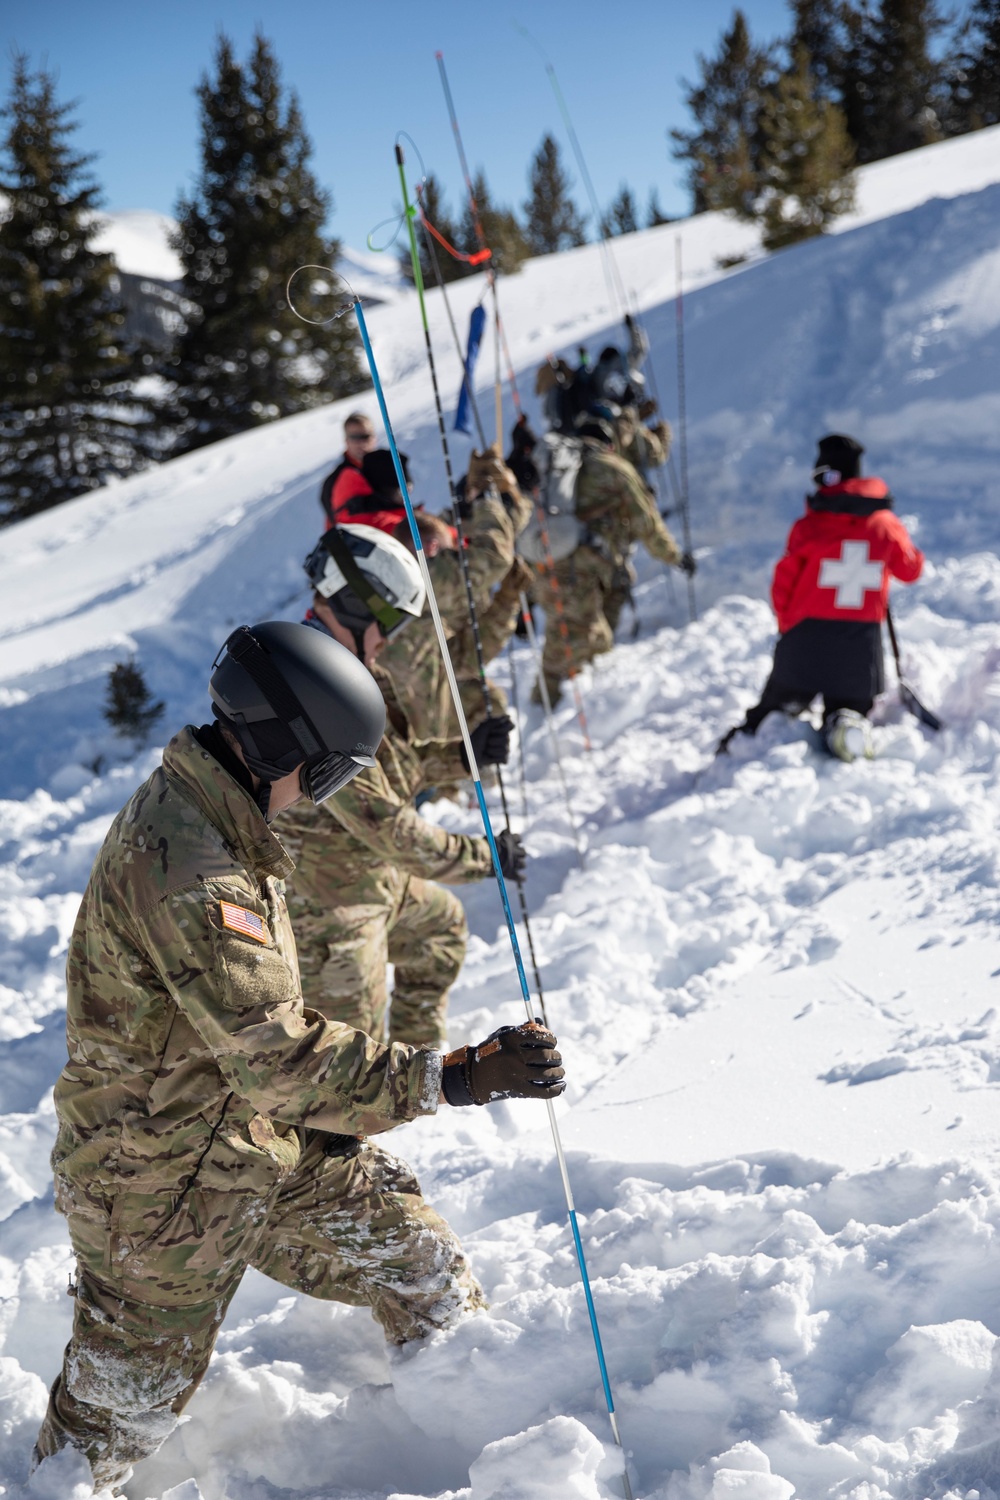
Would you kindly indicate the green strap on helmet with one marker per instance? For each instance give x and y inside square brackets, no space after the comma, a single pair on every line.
[387,615]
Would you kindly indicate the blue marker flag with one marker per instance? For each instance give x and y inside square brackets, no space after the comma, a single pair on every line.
[477,323]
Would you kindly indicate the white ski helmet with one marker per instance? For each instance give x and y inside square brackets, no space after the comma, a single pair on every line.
[365,575]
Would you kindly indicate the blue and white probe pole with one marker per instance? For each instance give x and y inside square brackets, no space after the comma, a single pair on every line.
[487,826]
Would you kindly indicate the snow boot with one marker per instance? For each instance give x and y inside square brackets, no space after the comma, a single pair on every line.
[848,735]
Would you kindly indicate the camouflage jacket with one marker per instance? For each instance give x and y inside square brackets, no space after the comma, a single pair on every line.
[413,658]
[617,509]
[190,1051]
[639,444]
[341,847]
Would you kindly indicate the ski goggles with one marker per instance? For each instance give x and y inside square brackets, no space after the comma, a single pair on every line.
[322,778]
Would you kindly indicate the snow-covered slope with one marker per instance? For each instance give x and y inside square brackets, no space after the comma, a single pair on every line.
[773,977]
[139,240]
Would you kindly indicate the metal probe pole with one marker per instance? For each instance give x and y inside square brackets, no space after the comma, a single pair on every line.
[410,212]
[501,883]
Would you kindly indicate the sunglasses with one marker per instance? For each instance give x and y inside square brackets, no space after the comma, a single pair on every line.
[359,437]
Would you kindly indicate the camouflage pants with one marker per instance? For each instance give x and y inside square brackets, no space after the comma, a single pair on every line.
[583,585]
[343,951]
[619,594]
[156,1276]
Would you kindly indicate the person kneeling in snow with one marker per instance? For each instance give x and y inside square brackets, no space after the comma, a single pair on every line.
[831,593]
[208,1119]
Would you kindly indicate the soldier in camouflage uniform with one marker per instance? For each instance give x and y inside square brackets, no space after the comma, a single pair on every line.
[207,1120]
[616,511]
[645,447]
[364,893]
[497,513]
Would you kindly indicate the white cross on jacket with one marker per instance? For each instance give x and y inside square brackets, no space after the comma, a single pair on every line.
[852,574]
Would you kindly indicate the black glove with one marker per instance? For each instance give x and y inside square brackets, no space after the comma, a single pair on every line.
[514,1062]
[687,564]
[463,504]
[513,855]
[490,742]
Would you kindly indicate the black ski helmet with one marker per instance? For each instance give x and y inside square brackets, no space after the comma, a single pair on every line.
[838,457]
[290,695]
[380,472]
[523,443]
[614,380]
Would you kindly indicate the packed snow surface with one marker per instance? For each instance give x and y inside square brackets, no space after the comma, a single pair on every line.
[775,978]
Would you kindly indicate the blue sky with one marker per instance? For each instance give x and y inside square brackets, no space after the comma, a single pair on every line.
[364,72]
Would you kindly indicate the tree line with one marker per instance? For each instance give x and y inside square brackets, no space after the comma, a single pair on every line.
[779,128]
[86,396]
[550,220]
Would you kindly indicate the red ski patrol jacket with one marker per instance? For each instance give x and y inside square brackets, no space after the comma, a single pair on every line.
[840,554]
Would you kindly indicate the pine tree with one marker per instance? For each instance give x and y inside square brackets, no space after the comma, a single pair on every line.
[819,29]
[69,418]
[552,219]
[975,81]
[502,232]
[654,213]
[891,86]
[256,216]
[724,151]
[622,216]
[431,202]
[806,159]
[128,704]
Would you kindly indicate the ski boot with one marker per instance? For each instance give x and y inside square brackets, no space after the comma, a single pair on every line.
[848,735]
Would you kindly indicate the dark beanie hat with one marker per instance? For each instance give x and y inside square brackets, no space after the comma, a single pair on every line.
[380,471]
[840,455]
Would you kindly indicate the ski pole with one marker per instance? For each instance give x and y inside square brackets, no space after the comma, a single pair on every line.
[529,626]
[501,335]
[516,700]
[501,883]
[611,273]
[561,626]
[418,279]
[477,224]
[671,465]
[682,425]
[907,696]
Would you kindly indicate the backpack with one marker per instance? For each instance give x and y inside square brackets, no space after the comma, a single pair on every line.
[559,459]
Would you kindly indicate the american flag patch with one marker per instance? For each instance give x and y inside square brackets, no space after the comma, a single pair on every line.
[245,922]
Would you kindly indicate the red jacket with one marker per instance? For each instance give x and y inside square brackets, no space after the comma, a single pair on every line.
[348,495]
[837,562]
